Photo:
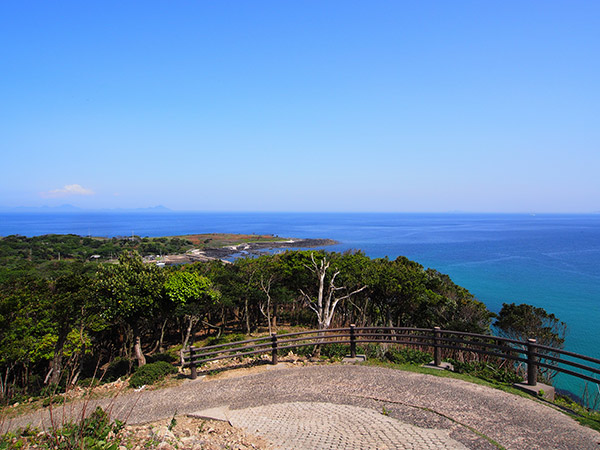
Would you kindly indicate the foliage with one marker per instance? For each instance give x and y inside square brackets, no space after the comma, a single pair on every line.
[488,371]
[119,367]
[225,339]
[167,357]
[60,320]
[335,350]
[582,414]
[15,248]
[58,400]
[182,288]
[407,356]
[151,373]
[525,321]
[130,293]
[96,432]
[130,289]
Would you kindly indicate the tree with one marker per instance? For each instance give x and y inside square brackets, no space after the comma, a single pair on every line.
[242,284]
[525,321]
[192,294]
[68,307]
[266,279]
[23,327]
[522,322]
[328,294]
[130,292]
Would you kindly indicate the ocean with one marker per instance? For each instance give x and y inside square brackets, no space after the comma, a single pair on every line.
[550,261]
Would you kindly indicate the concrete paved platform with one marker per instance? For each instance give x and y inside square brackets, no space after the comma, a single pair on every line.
[471,414]
[327,426]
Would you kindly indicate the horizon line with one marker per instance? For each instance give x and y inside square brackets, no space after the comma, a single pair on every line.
[160,209]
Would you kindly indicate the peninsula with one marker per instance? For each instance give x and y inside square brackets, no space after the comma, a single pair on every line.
[206,247]
[160,250]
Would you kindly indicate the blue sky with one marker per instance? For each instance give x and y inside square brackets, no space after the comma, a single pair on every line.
[301,106]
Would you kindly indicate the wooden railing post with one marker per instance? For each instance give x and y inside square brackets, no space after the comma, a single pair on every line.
[274,348]
[532,367]
[352,341]
[194,373]
[437,351]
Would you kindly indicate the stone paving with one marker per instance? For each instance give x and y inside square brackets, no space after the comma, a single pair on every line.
[471,414]
[327,426]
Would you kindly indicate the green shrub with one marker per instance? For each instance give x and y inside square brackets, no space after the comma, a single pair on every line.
[225,339]
[371,351]
[305,351]
[167,357]
[118,367]
[96,432]
[488,371]
[51,390]
[335,350]
[407,356]
[151,373]
[17,396]
[58,400]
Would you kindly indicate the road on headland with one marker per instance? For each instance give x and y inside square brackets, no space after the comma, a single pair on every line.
[473,416]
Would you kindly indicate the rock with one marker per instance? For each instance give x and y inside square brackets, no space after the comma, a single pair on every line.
[163,433]
[164,446]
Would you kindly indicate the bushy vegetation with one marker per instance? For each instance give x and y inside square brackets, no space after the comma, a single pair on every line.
[488,370]
[407,356]
[18,249]
[96,432]
[166,357]
[584,415]
[60,321]
[225,339]
[118,367]
[151,373]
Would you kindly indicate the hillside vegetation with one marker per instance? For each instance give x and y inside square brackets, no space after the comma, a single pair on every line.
[16,249]
[65,320]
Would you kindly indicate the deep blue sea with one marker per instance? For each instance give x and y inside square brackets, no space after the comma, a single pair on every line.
[550,261]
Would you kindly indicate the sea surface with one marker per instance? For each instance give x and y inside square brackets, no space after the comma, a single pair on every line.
[550,261]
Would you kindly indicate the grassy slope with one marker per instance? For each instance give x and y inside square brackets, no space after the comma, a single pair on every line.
[217,240]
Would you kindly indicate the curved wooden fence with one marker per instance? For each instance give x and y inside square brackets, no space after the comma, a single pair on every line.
[439,341]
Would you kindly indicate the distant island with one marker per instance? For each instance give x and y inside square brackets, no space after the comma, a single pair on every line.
[67,208]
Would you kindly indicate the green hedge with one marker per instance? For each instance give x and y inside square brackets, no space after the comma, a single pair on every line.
[151,373]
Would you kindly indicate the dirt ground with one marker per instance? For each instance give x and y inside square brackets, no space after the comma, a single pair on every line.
[186,433]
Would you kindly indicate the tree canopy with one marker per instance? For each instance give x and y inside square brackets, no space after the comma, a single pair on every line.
[60,319]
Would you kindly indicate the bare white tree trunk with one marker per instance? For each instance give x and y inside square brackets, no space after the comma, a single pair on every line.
[326,301]
[265,286]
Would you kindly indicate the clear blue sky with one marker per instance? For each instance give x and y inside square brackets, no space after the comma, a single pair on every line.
[488,106]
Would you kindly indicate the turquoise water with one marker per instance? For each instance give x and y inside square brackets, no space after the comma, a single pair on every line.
[550,261]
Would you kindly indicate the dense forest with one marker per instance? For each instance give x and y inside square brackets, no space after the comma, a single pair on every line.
[16,250]
[62,319]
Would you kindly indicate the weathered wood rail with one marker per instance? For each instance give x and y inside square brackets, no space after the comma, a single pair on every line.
[529,352]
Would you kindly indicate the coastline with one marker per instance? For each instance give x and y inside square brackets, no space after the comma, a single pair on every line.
[246,249]
[548,260]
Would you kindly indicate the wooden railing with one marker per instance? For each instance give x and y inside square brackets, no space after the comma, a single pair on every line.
[528,352]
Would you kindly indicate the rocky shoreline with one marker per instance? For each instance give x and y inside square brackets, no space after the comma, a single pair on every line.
[251,249]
